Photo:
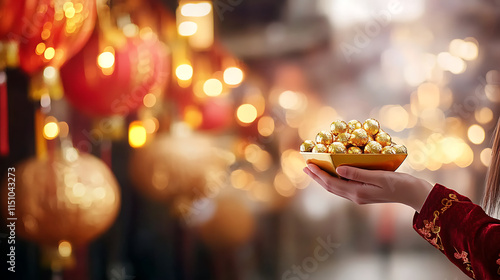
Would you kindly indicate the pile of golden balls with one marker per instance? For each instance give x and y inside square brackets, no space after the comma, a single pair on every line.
[353,137]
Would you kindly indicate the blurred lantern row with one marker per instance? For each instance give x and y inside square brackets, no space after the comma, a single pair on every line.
[167,81]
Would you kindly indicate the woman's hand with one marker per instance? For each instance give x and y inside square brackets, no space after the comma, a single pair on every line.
[372,186]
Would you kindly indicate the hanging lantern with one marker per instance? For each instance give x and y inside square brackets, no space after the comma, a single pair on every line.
[72,197]
[171,166]
[104,80]
[60,30]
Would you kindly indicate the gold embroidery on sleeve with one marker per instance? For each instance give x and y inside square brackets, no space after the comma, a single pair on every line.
[465,259]
[430,231]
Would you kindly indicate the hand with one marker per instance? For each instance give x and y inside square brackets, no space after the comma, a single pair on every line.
[372,186]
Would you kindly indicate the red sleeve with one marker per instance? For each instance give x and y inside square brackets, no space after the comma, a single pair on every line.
[462,231]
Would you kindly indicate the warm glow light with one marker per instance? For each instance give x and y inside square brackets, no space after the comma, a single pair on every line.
[45,34]
[212,87]
[193,116]
[49,53]
[63,129]
[484,115]
[149,100]
[233,76]
[265,126]
[240,179]
[289,99]
[151,125]
[50,130]
[64,249]
[69,12]
[196,10]
[466,157]
[40,48]
[283,185]
[428,96]
[136,134]
[246,113]
[130,30]
[49,72]
[464,49]
[394,117]
[184,72]
[45,100]
[451,63]
[187,28]
[476,134]
[106,60]
[486,157]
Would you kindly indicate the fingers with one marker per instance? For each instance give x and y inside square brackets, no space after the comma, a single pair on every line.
[315,177]
[374,177]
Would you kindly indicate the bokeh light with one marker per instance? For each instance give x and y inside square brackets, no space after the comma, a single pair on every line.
[476,134]
[212,87]
[187,28]
[50,130]
[64,249]
[233,76]
[136,134]
[246,113]
[184,72]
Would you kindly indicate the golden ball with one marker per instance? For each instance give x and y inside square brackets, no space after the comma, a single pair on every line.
[320,148]
[354,151]
[338,126]
[343,138]
[373,147]
[400,149]
[383,138]
[307,146]
[324,137]
[388,150]
[336,148]
[359,137]
[353,125]
[371,126]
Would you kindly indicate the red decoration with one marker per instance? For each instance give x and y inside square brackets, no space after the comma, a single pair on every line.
[139,67]
[217,114]
[54,32]
[11,11]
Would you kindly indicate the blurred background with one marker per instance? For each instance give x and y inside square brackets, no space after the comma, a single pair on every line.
[159,139]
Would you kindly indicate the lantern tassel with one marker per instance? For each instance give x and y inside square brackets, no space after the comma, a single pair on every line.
[4,116]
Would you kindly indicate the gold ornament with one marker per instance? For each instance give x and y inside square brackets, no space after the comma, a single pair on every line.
[353,125]
[320,148]
[388,150]
[336,148]
[324,137]
[359,137]
[69,196]
[307,146]
[400,149]
[338,126]
[343,138]
[383,138]
[373,147]
[371,126]
[354,151]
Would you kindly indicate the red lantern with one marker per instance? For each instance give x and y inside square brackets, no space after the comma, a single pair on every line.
[217,114]
[116,84]
[54,32]
[11,11]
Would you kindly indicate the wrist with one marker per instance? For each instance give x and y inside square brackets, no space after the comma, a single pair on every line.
[420,191]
